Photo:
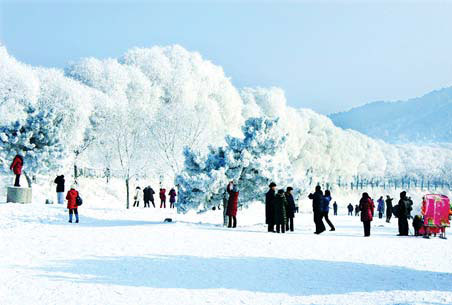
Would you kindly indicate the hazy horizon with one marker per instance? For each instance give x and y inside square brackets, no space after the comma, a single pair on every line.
[328,56]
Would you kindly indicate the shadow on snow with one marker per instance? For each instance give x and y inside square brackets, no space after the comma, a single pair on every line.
[256,274]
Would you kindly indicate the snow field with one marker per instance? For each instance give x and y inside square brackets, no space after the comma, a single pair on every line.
[118,256]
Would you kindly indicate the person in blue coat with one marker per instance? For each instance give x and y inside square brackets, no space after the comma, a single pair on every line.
[326,209]
[381,207]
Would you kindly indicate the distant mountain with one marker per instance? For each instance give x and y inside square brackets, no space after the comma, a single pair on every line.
[425,119]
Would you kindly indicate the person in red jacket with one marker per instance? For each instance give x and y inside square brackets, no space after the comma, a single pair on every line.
[16,167]
[366,206]
[162,198]
[71,198]
[232,207]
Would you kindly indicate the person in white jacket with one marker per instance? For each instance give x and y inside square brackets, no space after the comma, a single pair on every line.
[137,197]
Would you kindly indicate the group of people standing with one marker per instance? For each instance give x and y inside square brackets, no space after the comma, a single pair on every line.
[365,208]
[402,211]
[148,197]
[380,208]
[279,209]
[280,205]
[321,207]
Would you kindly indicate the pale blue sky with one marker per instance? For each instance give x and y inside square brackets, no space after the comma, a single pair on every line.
[328,56]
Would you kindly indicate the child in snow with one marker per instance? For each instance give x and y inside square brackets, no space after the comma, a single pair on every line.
[71,198]
[417,224]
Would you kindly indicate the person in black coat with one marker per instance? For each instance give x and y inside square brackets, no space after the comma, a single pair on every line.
[403,215]
[148,196]
[59,180]
[335,208]
[388,208]
[290,209]
[356,210]
[317,202]
[350,209]
[280,212]
[269,206]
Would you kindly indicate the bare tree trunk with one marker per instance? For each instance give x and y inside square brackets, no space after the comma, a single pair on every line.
[128,192]
[75,173]
[29,181]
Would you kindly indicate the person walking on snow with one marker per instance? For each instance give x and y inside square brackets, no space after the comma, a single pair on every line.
[381,207]
[350,209]
[137,196]
[16,167]
[366,206]
[290,209]
[356,210]
[59,180]
[270,198]
[71,198]
[232,207]
[326,209]
[162,195]
[317,202]
[280,212]
[388,208]
[172,198]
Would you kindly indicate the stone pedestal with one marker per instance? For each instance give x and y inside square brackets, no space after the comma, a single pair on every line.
[19,194]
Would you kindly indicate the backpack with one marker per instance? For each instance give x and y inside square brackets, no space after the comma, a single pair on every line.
[78,200]
[396,210]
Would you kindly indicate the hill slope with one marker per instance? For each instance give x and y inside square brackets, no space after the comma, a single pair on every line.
[424,119]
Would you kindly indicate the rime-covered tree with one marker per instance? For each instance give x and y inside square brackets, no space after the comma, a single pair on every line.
[252,162]
[38,138]
[43,115]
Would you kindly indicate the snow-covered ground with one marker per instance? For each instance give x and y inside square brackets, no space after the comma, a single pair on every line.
[118,256]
